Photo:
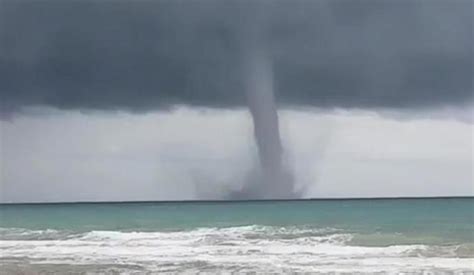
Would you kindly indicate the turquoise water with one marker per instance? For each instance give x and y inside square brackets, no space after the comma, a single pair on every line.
[447,219]
[430,234]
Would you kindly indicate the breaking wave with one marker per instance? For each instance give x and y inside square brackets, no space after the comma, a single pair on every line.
[251,248]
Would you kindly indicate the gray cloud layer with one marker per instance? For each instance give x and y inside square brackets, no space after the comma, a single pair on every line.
[141,55]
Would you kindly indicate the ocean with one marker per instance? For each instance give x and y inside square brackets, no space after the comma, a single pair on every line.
[317,236]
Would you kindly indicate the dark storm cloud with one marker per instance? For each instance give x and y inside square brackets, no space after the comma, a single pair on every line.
[141,55]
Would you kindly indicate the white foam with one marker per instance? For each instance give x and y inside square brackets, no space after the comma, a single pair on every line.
[244,249]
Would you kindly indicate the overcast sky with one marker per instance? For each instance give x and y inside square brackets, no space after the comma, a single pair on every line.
[142,55]
[143,100]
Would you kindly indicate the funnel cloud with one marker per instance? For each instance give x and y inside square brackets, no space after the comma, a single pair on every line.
[272,180]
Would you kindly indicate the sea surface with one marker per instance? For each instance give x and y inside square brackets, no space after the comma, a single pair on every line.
[434,236]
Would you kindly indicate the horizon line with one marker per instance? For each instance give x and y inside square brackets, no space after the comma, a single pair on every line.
[238,201]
